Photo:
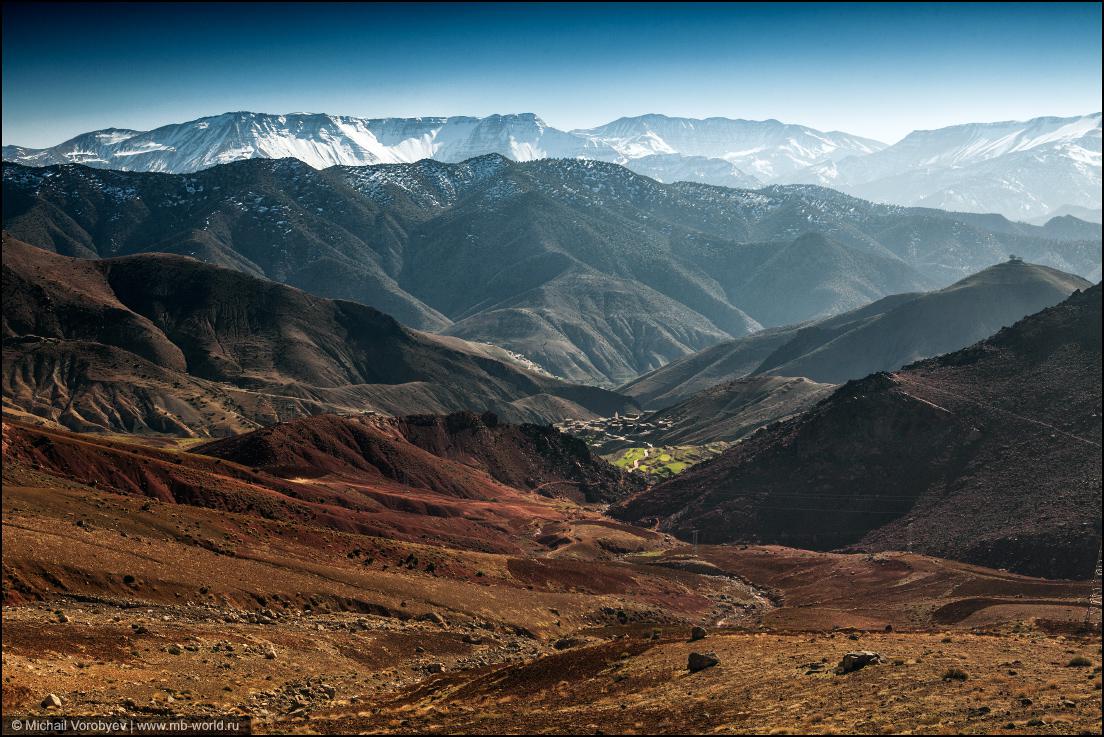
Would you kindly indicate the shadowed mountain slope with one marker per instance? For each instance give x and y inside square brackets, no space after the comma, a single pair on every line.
[990,455]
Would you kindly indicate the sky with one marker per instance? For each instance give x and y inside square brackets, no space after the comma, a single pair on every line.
[876,70]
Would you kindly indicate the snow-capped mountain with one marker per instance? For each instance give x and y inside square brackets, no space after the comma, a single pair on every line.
[680,168]
[316,139]
[1023,170]
[766,149]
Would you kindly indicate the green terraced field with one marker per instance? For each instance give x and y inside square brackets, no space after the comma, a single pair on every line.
[664,462]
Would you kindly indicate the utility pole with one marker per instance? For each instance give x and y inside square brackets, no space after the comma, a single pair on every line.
[1094,591]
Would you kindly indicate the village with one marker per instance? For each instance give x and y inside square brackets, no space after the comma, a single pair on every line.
[607,435]
[628,442]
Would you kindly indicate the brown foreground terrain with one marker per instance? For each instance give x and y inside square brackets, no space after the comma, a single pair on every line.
[119,600]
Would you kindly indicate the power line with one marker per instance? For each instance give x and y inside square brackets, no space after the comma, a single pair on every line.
[910,379]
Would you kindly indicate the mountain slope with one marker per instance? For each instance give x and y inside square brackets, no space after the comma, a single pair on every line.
[595,273]
[930,324]
[168,344]
[730,410]
[881,336]
[526,457]
[989,455]
[356,475]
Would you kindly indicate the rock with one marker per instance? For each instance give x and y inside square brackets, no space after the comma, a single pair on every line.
[433,617]
[857,660]
[51,702]
[697,633]
[700,661]
[473,639]
[174,650]
[270,653]
[436,668]
[566,643]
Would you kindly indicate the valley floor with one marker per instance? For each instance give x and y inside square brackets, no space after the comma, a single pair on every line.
[119,605]
[354,673]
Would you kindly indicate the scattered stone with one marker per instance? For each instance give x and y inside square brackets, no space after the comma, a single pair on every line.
[857,660]
[51,702]
[700,661]
[436,668]
[174,649]
[697,633]
[270,653]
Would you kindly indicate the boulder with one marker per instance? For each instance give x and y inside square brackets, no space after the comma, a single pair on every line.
[700,661]
[857,660]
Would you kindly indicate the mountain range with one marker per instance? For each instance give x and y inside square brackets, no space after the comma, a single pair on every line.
[167,344]
[881,336]
[990,454]
[592,272]
[1024,170]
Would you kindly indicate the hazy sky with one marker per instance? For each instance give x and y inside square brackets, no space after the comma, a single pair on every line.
[875,70]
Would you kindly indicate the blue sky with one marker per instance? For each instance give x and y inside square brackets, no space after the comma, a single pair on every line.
[877,70]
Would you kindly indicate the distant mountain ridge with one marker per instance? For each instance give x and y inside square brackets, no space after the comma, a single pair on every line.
[1024,170]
